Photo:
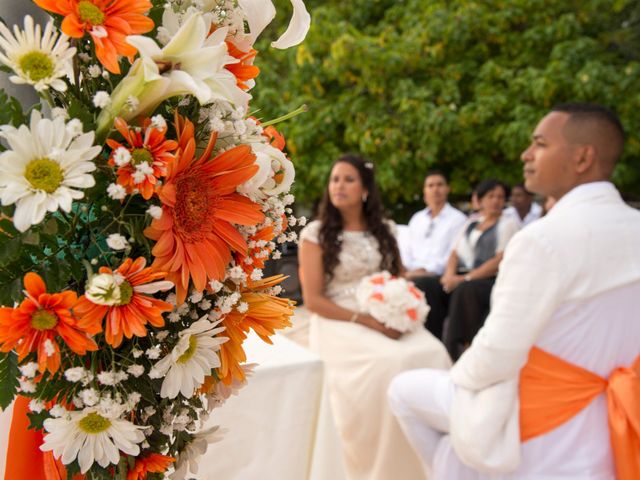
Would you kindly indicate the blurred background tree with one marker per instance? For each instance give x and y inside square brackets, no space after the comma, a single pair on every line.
[451,84]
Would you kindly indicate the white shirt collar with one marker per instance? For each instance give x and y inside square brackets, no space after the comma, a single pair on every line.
[583,191]
[442,212]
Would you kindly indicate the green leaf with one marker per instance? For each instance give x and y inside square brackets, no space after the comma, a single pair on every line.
[9,249]
[10,289]
[50,227]
[31,238]
[9,374]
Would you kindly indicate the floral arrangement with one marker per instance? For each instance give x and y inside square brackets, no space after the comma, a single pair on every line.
[393,301]
[140,202]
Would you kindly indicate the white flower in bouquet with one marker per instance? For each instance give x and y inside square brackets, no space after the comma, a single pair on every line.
[192,63]
[104,289]
[115,241]
[223,392]
[44,168]
[191,360]
[275,175]
[90,437]
[38,58]
[260,13]
[395,302]
[188,460]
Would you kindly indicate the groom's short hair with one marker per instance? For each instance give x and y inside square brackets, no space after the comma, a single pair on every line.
[596,125]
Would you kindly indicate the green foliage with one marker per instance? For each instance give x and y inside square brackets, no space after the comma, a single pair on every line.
[10,111]
[9,375]
[455,85]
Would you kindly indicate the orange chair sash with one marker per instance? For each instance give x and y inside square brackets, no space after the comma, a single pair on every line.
[552,391]
[25,460]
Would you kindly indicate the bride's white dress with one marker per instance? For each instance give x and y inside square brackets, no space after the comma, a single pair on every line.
[361,362]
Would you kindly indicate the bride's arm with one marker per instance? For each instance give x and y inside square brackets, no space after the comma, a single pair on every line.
[312,280]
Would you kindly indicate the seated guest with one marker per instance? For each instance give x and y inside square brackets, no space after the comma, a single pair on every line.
[433,230]
[350,240]
[523,208]
[464,290]
[550,387]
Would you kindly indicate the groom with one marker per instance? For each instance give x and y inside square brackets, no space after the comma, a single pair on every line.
[550,387]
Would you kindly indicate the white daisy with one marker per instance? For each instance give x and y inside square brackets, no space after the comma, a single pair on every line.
[191,359]
[38,58]
[90,437]
[44,168]
[187,461]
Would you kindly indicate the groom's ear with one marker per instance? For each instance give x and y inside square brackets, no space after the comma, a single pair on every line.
[585,159]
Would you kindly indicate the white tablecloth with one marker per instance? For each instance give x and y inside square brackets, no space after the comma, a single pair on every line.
[280,426]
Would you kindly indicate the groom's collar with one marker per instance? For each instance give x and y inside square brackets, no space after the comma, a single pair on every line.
[586,193]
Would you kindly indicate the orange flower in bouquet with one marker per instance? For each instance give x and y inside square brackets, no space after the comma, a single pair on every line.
[123,296]
[36,324]
[145,156]
[258,310]
[109,22]
[244,70]
[153,463]
[195,235]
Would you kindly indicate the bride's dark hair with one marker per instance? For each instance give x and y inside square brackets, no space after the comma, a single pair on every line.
[331,221]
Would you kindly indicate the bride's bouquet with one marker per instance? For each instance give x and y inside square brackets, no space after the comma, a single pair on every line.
[140,202]
[393,301]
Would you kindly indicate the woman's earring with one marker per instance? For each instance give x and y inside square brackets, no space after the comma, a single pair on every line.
[364,197]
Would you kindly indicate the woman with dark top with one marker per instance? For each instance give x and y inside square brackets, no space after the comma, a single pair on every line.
[463,292]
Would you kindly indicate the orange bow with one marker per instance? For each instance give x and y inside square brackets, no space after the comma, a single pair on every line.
[552,391]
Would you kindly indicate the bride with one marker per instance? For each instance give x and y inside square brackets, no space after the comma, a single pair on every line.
[350,241]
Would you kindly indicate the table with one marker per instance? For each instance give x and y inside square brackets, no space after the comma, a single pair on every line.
[280,425]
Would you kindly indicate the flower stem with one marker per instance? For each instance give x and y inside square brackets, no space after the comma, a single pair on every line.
[298,111]
[122,468]
[46,95]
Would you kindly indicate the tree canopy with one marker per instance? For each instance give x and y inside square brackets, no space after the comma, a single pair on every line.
[456,85]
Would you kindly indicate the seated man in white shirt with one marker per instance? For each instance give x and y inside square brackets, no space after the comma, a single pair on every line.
[431,236]
[550,387]
[523,209]
[433,230]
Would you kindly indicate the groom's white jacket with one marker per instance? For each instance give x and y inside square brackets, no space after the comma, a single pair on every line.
[567,284]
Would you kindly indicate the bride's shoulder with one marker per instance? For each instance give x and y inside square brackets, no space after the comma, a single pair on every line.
[311,232]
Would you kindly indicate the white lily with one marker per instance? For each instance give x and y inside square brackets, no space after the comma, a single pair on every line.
[192,63]
[195,60]
[261,13]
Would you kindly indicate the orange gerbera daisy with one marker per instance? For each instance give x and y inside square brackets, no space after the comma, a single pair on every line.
[152,463]
[121,296]
[109,22]
[195,235]
[146,145]
[266,314]
[37,322]
[244,70]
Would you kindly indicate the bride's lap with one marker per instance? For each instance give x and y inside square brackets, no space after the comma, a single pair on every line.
[344,342]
